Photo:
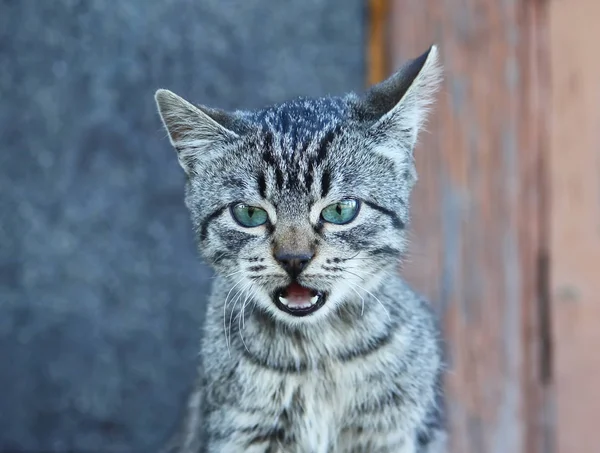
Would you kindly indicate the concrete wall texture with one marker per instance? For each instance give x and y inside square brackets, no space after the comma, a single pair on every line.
[101,290]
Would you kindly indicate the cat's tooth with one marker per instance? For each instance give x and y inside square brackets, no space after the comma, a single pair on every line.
[313,300]
[283,300]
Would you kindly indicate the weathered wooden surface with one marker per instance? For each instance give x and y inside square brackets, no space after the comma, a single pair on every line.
[478,230]
[574,31]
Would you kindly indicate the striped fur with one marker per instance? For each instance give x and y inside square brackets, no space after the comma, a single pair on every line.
[361,374]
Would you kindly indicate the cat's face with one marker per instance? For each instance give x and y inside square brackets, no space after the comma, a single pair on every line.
[327,214]
[303,206]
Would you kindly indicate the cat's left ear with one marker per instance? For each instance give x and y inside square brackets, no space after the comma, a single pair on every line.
[196,132]
[397,107]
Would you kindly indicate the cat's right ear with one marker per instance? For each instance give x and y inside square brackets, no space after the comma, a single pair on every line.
[397,107]
[196,133]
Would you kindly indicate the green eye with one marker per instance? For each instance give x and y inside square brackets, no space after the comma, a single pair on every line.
[342,212]
[249,216]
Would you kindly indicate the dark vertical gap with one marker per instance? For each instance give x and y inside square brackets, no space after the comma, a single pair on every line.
[538,397]
[544,318]
[544,308]
[540,50]
[545,416]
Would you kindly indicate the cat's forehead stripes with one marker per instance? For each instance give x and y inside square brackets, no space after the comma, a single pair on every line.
[299,169]
[295,139]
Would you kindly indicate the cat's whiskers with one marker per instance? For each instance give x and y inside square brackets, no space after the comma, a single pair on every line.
[240,314]
[237,297]
[243,318]
[233,273]
[367,291]
[250,297]
[219,256]
[234,301]
[362,308]
[355,274]
[356,257]
[225,313]
[375,297]
[384,271]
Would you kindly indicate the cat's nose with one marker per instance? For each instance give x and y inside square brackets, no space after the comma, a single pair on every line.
[293,263]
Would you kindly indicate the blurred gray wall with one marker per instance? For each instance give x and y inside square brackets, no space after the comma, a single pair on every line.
[101,291]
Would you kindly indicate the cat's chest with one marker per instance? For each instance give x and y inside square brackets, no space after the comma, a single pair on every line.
[312,409]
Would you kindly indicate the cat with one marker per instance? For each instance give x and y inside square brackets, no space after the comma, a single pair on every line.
[312,342]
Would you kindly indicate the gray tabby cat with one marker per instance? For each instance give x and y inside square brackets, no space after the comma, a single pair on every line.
[312,342]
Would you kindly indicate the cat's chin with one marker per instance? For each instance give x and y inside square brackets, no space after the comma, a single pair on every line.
[297,300]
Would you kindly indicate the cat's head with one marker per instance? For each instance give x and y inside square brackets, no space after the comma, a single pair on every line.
[303,205]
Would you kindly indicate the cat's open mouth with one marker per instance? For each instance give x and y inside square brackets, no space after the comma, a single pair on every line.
[298,300]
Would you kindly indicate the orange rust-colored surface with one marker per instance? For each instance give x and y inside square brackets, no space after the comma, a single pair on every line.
[377,64]
[574,30]
[479,214]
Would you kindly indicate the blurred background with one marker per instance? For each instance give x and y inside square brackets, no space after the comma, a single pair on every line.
[101,291]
